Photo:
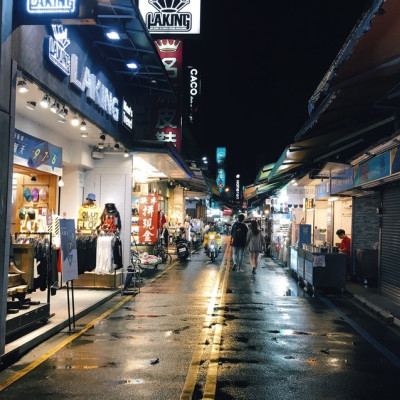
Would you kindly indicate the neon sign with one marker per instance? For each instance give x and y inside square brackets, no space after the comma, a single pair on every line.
[51,6]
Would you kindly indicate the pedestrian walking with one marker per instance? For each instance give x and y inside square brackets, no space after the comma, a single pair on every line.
[255,244]
[238,242]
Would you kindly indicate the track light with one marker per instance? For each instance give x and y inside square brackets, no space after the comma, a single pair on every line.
[102,136]
[126,154]
[33,179]
[63,112]
[31,105]
[55,107]
[100,146]
[60,182]
[83,126]
[75,121]
[116,146]
[84,134]
[22,86]
[45,102]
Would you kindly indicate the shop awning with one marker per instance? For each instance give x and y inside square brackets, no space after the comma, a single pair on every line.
[163,156]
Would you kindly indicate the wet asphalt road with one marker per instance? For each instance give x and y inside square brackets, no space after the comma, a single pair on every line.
[216,334]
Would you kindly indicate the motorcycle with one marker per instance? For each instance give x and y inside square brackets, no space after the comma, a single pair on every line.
[212,248]
[196,242]
[182,248]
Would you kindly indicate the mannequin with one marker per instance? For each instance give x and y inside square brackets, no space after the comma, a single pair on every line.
[110,219]
[89,215]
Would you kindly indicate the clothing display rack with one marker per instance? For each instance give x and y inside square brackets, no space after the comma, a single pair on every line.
[25,313]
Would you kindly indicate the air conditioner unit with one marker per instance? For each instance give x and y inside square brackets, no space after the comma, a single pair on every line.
[97,155]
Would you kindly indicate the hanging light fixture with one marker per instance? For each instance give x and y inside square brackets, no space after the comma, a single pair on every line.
[45,102]
[55,107]
[63,112]
[22,86]
[31,105]
[60,182]
[75,121]
[83,126]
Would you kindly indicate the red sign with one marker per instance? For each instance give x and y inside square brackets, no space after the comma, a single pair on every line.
[167,110]
[148,218]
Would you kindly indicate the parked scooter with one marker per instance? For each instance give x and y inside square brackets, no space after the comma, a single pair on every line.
[182,246]
[196,241]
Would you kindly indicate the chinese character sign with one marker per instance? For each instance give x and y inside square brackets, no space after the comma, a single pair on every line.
[148,214]
[166,125]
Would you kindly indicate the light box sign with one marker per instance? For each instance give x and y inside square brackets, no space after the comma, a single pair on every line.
[148,213]
[373,169]
[342,181]
[171,16]
[58,8]
[166,111]
[37,153]
[127,115]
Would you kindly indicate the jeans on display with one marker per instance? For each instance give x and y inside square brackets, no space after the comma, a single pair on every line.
[238,253]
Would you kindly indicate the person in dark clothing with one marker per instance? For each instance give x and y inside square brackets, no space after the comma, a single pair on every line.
[238,242]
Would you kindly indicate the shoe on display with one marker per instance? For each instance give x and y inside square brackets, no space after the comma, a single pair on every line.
[12,269]
[234,267]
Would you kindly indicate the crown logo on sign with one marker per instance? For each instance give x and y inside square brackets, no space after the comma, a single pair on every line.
[169,6]
[61,35]
[167,46]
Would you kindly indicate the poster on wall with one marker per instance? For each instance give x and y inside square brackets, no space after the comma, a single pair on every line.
[69,252]
[37,153]
[148,218]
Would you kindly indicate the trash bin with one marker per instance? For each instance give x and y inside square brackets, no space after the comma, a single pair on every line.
[367,264]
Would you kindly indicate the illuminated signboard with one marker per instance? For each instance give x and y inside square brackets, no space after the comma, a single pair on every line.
[221,176]
[127,115]
[171,16]
[82,78]
[54,7]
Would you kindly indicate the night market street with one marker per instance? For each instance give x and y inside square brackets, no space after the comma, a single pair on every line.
[197,330]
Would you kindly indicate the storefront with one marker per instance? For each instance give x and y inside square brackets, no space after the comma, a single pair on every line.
[57,168]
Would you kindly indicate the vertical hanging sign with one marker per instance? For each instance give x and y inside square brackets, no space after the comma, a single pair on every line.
[148,213]
[166,119]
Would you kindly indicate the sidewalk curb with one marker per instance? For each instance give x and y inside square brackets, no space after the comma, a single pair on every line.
[388,317]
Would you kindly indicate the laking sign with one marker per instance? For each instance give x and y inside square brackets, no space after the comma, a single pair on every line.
[55,52]
[55,7]
[171,16]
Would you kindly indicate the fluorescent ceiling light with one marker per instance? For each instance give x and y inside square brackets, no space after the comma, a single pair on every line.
[132,65]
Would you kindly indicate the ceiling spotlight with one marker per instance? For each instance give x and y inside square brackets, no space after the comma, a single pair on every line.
[22,86]
[83,126]
[84,134]
[33,179]
[75,121]
[100,146]
[55,107]
[126,154]
[116,146]
[113,35]
[45,102]
[132,65]
[63,112]
[102,136]
[60,182]
[31,105]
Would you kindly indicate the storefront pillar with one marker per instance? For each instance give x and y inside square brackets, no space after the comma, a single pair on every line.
[7,118]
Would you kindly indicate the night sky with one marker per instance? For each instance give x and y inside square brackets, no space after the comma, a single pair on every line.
[260,63]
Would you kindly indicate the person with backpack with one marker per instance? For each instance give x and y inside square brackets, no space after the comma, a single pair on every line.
[255,244]
[238,242]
